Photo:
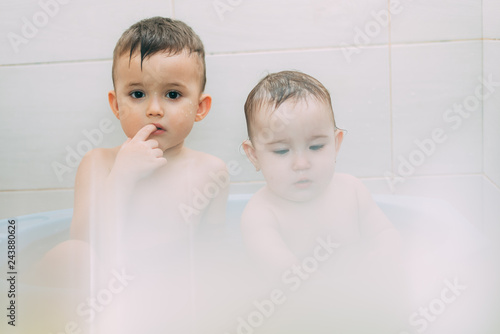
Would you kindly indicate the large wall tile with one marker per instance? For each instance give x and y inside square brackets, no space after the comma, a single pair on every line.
[45,109]
[231,26]
[360,93]
[428,80]
[491,207]
[436,20]
[491,21]
[19,203]
[74,30]
[491,133]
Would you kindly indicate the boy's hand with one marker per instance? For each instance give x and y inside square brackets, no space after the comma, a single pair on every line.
[139,157]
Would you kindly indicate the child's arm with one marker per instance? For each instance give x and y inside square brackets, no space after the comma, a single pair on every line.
[215,214]
[263,240]
[384,241]
[103,188]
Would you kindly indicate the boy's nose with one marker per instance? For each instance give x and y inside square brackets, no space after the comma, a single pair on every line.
[300,162]
[154,107]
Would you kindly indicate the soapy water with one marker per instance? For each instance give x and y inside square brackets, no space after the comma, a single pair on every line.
[445,284]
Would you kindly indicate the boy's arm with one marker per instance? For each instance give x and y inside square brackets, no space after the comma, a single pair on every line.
[103,188]
[263,240]
[90,177]
[215,214]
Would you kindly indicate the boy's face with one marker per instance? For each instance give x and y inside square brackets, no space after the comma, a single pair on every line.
[295,147]
[166,92]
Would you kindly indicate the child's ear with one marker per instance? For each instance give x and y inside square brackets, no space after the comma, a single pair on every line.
[339,137]
[250,152]
[203,107]
[113,103]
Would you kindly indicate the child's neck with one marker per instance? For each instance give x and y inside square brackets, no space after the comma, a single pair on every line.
[174,152]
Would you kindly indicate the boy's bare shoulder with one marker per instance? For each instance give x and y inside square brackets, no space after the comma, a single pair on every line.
[101,155]
[99,159]
[205,160]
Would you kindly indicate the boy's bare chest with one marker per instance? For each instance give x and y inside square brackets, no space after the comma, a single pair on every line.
[161,209]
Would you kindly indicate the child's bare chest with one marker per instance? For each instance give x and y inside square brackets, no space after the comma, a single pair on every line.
[301,228]
[162,210]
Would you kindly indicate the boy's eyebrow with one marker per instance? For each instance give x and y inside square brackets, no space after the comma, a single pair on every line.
[131,84]
[173,84]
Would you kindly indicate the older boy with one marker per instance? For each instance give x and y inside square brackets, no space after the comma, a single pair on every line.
[135,204]
[159,79]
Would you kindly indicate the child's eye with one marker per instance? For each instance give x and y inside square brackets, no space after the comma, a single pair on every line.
[316,147]
[281,152]
[173,95]
[137,94]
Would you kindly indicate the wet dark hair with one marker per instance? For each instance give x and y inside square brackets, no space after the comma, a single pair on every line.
[276,88]
[160,34]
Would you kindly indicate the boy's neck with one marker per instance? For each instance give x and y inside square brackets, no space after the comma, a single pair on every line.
[174,152]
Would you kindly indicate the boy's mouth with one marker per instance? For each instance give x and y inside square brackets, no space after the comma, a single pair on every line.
[159,129]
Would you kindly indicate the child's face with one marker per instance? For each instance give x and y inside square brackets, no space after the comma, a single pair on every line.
[166,92]
[295,147]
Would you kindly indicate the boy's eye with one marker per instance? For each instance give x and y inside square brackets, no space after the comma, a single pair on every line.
[281,152]
[137,94]
[173,95]
[316,147]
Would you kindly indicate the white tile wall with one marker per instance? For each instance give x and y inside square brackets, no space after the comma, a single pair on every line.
[491,23]
[45,108]
[19,203]
[273,25]
[491,207]
[360,94]
[427,80]
[436,20]
[57,30]
[491,131]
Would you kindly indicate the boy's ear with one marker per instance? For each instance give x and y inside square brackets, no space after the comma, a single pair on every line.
[250,152]
[113,103]
[339,137]
[203,107]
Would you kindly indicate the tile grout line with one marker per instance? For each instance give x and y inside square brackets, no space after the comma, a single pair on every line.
[256,52]
[391,123]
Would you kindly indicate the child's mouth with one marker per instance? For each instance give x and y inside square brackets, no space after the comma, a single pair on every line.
[304,183]
[159,129]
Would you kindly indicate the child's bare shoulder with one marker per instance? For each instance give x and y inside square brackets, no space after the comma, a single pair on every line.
[346,180]
[350,184]
[97,162]
[258,212]
[205,160]
[99,157]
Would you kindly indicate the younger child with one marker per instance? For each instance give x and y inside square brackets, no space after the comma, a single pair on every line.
[307,214]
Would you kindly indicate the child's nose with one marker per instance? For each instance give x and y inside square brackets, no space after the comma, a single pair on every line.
[154,107]
[300,162]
